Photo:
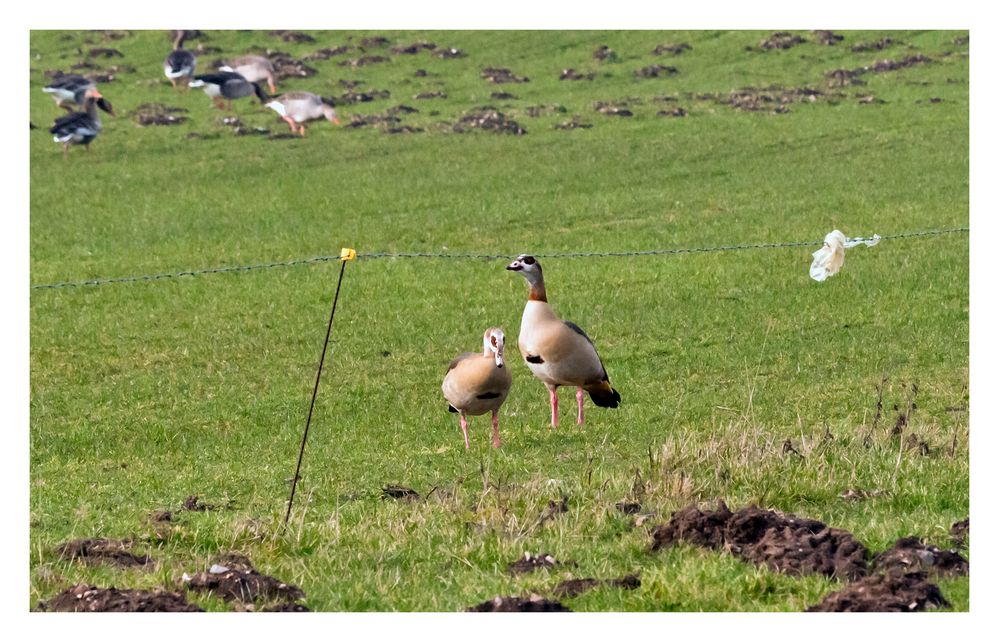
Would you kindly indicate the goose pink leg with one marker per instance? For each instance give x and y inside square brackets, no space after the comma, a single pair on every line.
[464,428]
[554,402]
[496,439]
[579,402]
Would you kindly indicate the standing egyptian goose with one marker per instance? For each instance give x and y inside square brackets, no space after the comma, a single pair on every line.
[227,85]
[478,383]
[558,352]
[81,127]
[69,90]
[297,107]
[253,68]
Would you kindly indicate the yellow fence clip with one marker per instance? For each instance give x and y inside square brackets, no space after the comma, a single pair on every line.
[348,254]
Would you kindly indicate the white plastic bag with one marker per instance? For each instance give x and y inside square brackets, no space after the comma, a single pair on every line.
[829,258]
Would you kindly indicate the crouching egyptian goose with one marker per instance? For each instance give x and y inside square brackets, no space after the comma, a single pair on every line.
[478,383]
[297,107]
[253,68]
[69,90]
[558,352]
[228,85]
[81,127]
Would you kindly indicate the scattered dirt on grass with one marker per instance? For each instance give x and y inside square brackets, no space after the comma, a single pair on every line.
[351,97]
[530,563]
[104,52]
[488,119]
[499,75]
[869,99]
[857,494]
[291,36]
[88,598]
[572,588]
[772,99]
[373,42]
[882,66]
[826,37]
[960,40]
[915,442]
[572,74]
[233,578]
[656,71]
[875,45]
[158,114]
[909,554]
[782,542]
[781,40]
[326,53]
[370,120]
[502,95]
[286,607]
[612,109]
[414,48]
[573,123]
[399,109]
[403,129]
[513,603]
[880,593]
[363,61]
[426,95]
[193,502]
[101,551]
[603,52]
[959,532]
[534,111]
[287,67]
[676,112]
[400,492]
[668,48]
[843,78]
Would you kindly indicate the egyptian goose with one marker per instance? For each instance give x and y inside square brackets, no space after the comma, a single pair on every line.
[297,107]
[69,90]
[253,68]
[558,352]
[228,85]
[478,383]
[81,127]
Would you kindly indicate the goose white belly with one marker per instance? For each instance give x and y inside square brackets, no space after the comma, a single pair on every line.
[567,357]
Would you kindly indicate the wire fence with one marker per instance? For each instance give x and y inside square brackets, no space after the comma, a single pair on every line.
[429,255]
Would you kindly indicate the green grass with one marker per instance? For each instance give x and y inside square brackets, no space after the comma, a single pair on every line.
[143,394]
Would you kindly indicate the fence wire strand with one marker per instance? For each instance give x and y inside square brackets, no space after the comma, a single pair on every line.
[491,257]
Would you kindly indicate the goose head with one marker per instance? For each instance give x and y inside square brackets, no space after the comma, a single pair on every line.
[330,114]
[528,267]
[492,345]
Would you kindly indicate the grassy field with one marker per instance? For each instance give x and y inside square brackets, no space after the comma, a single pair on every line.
[143,394]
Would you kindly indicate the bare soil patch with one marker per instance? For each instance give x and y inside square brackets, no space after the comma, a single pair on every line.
[148,114]
[500,75]
[668,48]
[656,71]
[92,599]
[878,593]
[488,119]
[400,492]
[629,508]
[102,551]
[449,52]
[573,123]
[414,48]
[502,95]
[285,66]
[826,37]
[676,112]
[233,578]
[604,53]
[875,45]
[326,53]
[910,554]
[291,36]
[530,563]
[781,40]
[572,74]
[363,61]
[959,532]
[532,603]
[782,542]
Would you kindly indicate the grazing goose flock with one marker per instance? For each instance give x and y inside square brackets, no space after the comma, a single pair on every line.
[237,78]
[557,352]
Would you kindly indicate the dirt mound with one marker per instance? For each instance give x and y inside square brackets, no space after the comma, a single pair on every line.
[781,40]
[233,577]
[894,593]
[573,123]
[909,554]
[572,588]
[91,599]
[399,492]
[675,50]
[502,95]
[843,78]
[148,114]
[676,112]
[656,71]
[104,52]
[193,502]
[286,607]
[101,551]
[534,111]
[530,563]
[326,53]
[618,108]
[882,66]
[500,75]
[362,61]
[773,99]
[532,603]
[287,67]
[959,532]
[629,508]
[449,52]
[488,119]
[876,45]
[782,542]
[351,97]
[430,94]
[374,42]
[826,37]
[414,48]
[291,36]
[603,52]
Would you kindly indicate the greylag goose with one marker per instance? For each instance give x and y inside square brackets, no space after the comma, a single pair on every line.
[477,383]
[558,352]
[81,127]
[180,63]
[227,85]
[297,107]
[253,68]
[69,90]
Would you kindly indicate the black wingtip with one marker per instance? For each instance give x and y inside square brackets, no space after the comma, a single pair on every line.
[451,408]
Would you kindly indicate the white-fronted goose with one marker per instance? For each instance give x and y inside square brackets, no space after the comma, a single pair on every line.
[558,352]
[298,107]
[227,85]
[69,90]
[253,68]
[477,383]
[81,127]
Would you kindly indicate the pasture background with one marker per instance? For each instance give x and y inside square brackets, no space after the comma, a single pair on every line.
[143,394]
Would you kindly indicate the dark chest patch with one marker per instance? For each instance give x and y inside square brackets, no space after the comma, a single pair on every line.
[488,395]
[534,359]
